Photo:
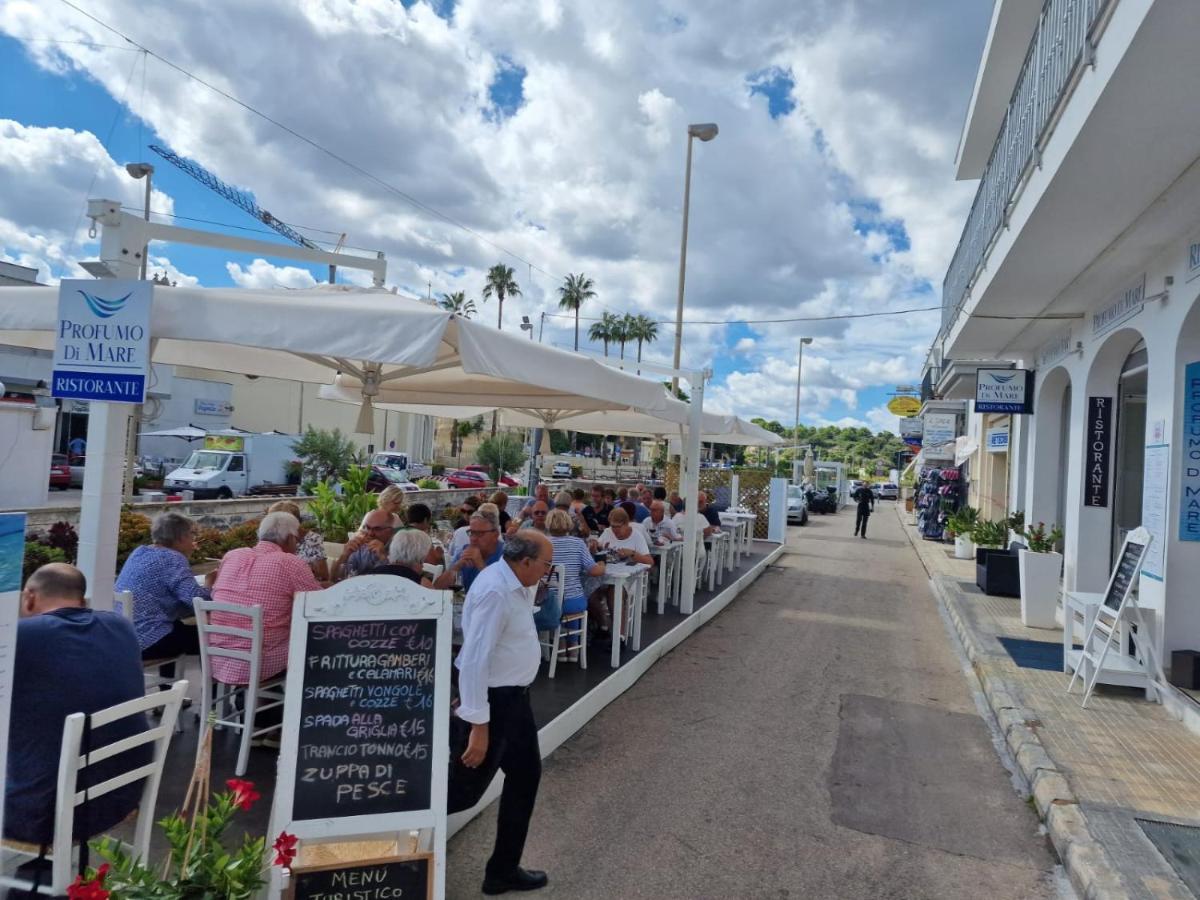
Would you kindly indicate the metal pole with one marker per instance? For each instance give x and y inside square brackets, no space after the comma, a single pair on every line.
[687,196]
[146,216]
[542,328]
[796,430]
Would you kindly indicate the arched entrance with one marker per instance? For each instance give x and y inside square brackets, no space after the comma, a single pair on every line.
[1047,491]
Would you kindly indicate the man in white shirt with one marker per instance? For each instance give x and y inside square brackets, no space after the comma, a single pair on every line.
[658,525]
[498,661]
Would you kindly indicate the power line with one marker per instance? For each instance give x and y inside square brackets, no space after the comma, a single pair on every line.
[307,140]
[867,315]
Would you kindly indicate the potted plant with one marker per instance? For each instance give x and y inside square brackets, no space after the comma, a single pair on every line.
[961,525]
[1016,525]
[989,535]
[1041,574]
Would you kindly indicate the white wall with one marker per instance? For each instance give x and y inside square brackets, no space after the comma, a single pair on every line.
[24,454]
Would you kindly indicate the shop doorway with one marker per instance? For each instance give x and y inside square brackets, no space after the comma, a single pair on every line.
[1130,434]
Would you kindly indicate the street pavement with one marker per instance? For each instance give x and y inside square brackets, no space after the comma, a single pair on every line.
[817,739]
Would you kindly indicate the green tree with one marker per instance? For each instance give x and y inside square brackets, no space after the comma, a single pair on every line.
[605,330]
[458,303]
[644,330]
[502,453]
[501,284]
[624,331]
[325,455]
[575,291]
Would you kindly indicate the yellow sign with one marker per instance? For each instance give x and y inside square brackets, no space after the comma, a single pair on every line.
[232,442]
[904,406]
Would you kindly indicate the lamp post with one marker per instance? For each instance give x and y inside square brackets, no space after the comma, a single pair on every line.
[143,170]
[137,171]
[796,431]
[706,132]
[526,325]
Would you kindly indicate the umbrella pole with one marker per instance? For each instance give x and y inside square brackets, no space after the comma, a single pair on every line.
[100,514]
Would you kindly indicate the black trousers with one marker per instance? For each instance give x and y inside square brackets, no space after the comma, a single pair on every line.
[860,521]
[512,749]
[181,640]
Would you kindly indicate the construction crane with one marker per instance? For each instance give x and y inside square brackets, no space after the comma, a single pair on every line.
[242,200]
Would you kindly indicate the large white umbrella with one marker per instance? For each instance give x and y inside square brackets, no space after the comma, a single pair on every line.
[187,432]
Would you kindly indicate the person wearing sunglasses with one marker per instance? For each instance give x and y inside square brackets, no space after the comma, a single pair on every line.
[494,728]
[484,548]
[368,548]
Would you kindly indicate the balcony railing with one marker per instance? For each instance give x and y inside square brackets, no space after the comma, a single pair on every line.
[1064,43]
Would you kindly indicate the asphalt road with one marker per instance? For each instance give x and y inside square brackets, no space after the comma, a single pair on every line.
[817,739]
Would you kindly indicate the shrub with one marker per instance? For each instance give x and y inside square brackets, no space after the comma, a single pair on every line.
[244,534]
[134,532]
[293,471]
[1016,521]
[62,536]
[576,471]
[325,455]
[437,469]
[338,516]
[990,534]
[37,555]
[1040,540]
[428,484]
[210,544]
[963,521]
[502,453]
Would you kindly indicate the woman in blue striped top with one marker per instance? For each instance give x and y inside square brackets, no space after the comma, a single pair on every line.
[572,554]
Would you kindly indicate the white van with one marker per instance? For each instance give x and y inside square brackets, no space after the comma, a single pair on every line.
[230,464]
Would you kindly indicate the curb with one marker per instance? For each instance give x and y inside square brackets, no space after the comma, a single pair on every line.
[1092,871]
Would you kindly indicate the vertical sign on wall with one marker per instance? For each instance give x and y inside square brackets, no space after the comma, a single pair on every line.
[1189,482]
[1154,507]
[102,340]
[12,553]
[1099,450]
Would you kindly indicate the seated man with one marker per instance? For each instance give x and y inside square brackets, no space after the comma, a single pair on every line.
[541,492]
[68,659]
[367,549]
[267,575]
[599,510]
[709,514]
[163,587]
[406,557]
[532,516]
[420,517]
[486,548]
[659,526]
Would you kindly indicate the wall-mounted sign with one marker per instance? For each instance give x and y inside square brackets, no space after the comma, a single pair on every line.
[212,407]
[940,431]
[102,340]
[234,443]
[1122,306]
[997,440]
[1004,391]
[1155,470]
[911,426]
[1054,349]
[1193,259]
[1099,450]
[904,406]
[1189,481]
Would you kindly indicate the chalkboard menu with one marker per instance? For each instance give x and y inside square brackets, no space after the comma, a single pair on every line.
[365,743]
[406,878]
[1122,580]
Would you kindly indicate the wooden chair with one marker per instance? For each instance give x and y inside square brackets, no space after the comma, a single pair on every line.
[72,761]
[257,696]
[570,625]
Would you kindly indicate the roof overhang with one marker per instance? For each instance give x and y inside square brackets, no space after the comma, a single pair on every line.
[957,381]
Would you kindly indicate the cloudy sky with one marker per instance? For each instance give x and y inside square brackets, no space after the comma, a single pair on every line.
[544,134]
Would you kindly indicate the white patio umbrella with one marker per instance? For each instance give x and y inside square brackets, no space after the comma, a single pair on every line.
[373,337]
[187,432]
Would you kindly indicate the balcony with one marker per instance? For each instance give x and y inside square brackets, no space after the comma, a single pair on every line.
[1063,44]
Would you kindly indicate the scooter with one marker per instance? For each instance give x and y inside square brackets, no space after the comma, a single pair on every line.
[823,502]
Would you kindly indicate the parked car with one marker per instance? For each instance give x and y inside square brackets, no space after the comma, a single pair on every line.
[383,476]
[77,465]
[466,478]
[60,471]
[797,505]
[506,479]
[887,491]
[561,470]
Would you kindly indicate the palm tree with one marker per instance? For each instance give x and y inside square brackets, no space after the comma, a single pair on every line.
[458,304]
[574,291]
[605,330]
[644,330]
[624,332]
[501,284]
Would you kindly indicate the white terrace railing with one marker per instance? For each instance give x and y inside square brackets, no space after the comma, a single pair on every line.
[1063,45]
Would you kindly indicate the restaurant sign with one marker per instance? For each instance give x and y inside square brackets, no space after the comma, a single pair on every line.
[1004,391]
[940,431]
[904,406]
[1099,451]
[1189,483]
[102,340]
[1054,349]
[1122,306]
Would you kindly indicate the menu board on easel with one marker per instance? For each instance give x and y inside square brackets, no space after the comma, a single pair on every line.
[366,717]
[1121,582]
[397,878]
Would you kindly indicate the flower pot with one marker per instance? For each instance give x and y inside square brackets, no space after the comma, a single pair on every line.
[1041,575]
[963,547]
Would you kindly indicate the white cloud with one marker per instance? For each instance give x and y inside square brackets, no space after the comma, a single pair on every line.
[745,345]
[261,274]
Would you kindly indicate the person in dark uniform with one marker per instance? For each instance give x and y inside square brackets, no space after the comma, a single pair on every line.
[494,728]
[865,498]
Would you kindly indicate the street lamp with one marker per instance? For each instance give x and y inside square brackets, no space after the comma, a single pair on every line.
[143,170]
[526,325]
[706,132]
[796,431]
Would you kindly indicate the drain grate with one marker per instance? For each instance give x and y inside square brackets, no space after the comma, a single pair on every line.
[1180,846]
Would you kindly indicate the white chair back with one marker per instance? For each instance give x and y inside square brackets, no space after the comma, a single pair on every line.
[123,604]
[72,761]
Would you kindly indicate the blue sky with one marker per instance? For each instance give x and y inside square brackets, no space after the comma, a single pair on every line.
[556,133]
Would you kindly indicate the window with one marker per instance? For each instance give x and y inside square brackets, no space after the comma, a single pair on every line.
[237,463]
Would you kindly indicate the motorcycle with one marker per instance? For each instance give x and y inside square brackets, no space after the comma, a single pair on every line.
[823,501]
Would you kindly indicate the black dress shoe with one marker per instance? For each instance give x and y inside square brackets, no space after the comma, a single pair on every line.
[520,880]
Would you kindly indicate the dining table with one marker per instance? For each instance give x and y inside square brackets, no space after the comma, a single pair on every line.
[668,556]
[628,582]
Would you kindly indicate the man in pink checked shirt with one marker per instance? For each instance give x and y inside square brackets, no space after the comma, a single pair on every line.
[267,575]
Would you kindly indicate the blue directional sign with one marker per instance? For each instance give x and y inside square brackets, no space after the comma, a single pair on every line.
[102,341]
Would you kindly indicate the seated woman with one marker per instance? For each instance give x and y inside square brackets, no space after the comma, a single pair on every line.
[406,557]
[163,586]
[572,554]
[625,538]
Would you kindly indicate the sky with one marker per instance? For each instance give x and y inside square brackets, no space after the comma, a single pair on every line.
[546,135]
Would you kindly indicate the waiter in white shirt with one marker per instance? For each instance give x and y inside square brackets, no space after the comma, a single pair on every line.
[498,661]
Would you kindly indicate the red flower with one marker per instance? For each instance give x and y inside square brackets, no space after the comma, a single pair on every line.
[244,794]
[285,848]
[89,890]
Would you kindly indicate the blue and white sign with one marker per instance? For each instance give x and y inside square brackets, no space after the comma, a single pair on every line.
[997,440]
[1004,391]
[102,341]
[1189,482]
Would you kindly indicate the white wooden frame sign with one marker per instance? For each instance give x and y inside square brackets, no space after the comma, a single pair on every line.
[368,674]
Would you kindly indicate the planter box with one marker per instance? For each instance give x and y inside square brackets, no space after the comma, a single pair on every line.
[963,547]
[1041,576]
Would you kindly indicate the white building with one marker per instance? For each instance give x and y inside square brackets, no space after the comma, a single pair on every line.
[1081,261]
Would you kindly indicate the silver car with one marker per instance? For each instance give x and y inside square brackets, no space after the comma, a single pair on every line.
[797,505]
[887,491]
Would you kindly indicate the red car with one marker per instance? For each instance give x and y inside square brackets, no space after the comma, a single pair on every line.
[466,478]
[60,472]
[505,480]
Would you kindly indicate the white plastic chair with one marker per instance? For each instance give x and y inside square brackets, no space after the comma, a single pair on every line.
[72,761]
[569,625]
[253,692]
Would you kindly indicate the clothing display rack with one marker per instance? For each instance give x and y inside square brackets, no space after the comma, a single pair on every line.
[940,492]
